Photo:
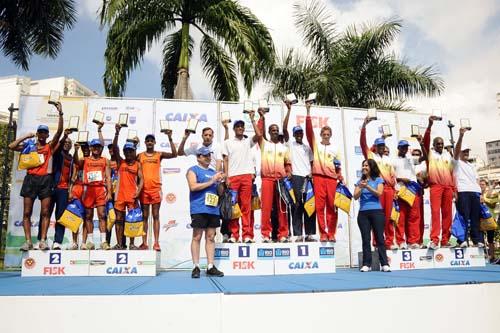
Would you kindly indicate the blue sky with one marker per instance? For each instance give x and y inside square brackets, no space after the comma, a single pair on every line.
[461,38]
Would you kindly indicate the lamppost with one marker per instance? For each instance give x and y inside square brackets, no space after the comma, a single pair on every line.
[6,168]
[450,126]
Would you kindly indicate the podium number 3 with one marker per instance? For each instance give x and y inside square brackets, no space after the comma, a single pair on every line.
[459,254]
[406,256]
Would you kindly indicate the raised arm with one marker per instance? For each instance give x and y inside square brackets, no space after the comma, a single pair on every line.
[76,157]
[55,140]
[226,129]
[261,125]
[17,145]
[258,134]
[458,146]
[286,135]
[362,138]
[427,135]
[99,132]
[180,151]
[116,150]
[61,142]
[173,153]
[309,128]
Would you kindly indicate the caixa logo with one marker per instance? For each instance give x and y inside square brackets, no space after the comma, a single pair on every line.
[303,265]
[185,116]
[20,224]
[121,270]
[221,253]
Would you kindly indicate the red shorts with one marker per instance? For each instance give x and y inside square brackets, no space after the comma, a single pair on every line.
[77,191]
[122,205]
[151,197]
[94,196]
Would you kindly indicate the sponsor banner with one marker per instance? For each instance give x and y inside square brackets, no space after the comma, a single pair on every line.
[245,259]
[410,259]
[55,263]
[123,263]
[459,257]
[304,258]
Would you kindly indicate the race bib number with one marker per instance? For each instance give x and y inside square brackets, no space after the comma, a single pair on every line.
[94,176]
[211,199]
[42,158]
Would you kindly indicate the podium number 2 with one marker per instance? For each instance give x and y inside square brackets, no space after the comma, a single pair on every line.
[121,258]
[55,258]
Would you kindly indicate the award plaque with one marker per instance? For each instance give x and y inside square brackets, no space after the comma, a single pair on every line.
[415,131]
[83,137]
[311,98]
[132,134]
[372,114]
[292,98]
[54,97]
[386,130]
[123,120]
[165,126]
[465,123]
[247,106]
[225,116]
[98,118]
[263,105]
[191,126]
[73,123]
[437,113]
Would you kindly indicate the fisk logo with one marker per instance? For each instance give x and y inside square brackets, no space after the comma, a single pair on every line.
[244,265]
[317,122]
[47,270]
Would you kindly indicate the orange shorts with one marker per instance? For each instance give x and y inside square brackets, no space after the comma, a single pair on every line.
[122,205]
[151,197]
[94,196]
[77,191]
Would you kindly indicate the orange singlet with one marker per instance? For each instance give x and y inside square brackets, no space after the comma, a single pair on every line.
[151,169]
[46,167]
[127,185]
[65,174]
[94,175]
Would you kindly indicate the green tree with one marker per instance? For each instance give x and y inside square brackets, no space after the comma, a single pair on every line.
[30,27]
[233,42]
[353,68]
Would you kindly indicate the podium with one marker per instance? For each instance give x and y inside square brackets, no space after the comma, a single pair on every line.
[459,257]
[410,259]
[90,263]
[55,263]
[275,259]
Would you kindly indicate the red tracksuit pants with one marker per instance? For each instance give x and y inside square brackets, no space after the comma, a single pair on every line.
[408,228]
[324,193]
[269,195]
[243,185]
[441,205]
[386,201]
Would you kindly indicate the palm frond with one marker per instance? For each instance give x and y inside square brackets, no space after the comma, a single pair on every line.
[171,53]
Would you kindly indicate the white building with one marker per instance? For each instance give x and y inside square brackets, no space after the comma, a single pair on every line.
[12,87]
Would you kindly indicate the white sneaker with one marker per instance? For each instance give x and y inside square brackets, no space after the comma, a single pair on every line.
[266,240]
[463,244]
[386,268]
[394,247]
[365,269]
[480,245]
[403,246]
[433,246]
[43,246]
[248,240]
[56,246]
[225,238]
[73,247]
[90,246]
[299,239]
[232,240]
[415,246]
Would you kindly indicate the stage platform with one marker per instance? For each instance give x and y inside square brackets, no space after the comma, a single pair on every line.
[434,300]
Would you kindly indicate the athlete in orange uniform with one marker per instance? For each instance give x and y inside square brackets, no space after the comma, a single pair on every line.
[39,181]
[128,189]
[151,192]
[96,191]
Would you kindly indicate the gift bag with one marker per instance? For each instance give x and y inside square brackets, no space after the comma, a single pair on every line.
[285,191]
[29,157]
[487,222]
[256,204]
[459,227]
[110,215]
[236,211]
[134,224]
[226,205]
[309,201]
[409,191]
[395,212]
[343,198]
[73,216]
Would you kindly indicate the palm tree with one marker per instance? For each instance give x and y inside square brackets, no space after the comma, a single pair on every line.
[350,69]
[30,27]
[233,41]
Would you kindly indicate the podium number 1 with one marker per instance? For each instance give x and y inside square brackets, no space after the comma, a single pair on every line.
[244,251]
[303,250]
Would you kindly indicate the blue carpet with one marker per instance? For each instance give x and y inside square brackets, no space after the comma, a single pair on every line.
[180,282]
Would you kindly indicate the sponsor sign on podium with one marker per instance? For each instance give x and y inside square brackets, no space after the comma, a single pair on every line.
[55,263]
[304,258]
[245,259]
[459,257]
[410,259]
[123,263]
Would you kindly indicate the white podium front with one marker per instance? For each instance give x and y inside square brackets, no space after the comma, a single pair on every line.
[410,259]
[304,258]
[55,263]
[123,263]
[244,259]
[459,257]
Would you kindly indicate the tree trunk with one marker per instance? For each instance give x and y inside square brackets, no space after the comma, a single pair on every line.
[182,88]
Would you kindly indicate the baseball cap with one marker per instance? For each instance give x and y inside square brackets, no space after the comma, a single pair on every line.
[129,145]
[379,141]
[238,123]
[42,128]
[403,143]
[297,129]
[95,142]
[149,136]
[203,151]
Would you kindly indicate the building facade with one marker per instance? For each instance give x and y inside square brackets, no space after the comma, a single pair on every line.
[493,152]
